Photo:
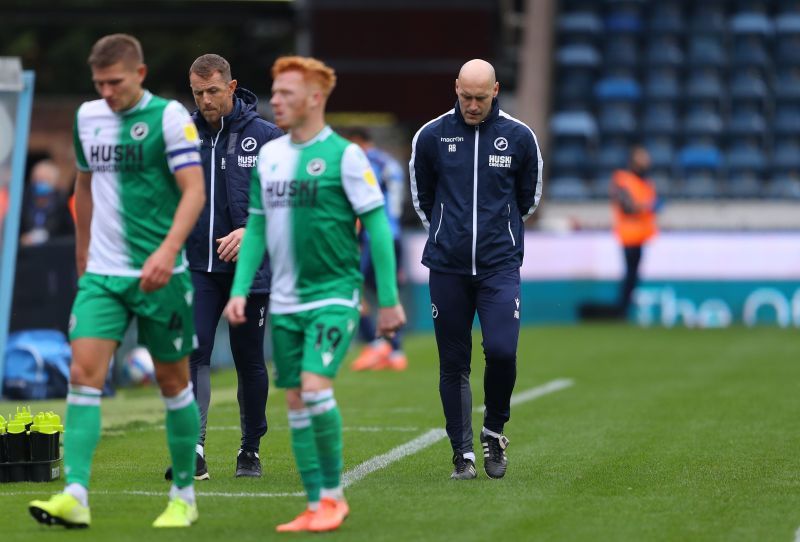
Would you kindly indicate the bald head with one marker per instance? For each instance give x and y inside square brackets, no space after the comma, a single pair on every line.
[475,87]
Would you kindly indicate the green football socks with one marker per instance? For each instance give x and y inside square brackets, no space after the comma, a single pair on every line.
[183,430]
[81,433]
[305,452]
[327,423]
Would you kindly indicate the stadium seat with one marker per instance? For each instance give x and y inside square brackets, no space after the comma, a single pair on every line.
[787,85]
[786,156]
[578,55]
[617,120]
[623,21]
[787,51]
[699,157]
[748,84]
[745,122]
[702,123]
[662,85]
[707,18]
[783,187]
[570,154]
[620,52]
[744,185]
[745,158]
[660,119]
[787,24]
[700,184]
[707,51]
[665,18]
[613,155]
[573,123]
[664,51]
[580,24]
[662,153]
[751,23]
[750,51]
[704,84]
[568,188]
[617,89]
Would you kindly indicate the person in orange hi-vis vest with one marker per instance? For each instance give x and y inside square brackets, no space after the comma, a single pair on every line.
[634,204]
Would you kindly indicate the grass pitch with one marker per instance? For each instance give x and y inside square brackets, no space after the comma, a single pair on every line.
[663,435]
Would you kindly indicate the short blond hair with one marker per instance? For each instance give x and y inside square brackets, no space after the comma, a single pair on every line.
[313,70]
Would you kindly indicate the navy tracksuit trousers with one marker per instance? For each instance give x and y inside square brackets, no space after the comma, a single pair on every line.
[211,294]
[455,299]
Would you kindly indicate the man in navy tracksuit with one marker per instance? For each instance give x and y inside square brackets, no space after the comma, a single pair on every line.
[231,134]
[476,175]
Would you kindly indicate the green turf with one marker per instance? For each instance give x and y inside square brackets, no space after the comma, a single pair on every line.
[665,435]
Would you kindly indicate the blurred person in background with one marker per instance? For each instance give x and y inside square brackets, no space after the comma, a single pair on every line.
[476,176]
[45,213]
[634,205]
[379,354]
[231,134]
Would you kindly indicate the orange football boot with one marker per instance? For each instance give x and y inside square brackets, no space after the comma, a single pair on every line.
[330,515]
[372,356]
[299,524]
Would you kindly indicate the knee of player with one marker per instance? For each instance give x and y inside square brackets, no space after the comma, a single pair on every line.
[499,352]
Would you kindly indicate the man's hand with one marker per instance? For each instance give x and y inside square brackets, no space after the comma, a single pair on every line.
[157,269]
[234,310]
[390,319]
[229,245]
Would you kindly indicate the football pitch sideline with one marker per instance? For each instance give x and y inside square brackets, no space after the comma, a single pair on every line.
[617,433]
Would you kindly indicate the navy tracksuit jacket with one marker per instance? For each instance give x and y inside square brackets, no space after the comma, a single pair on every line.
[229,156]
[472,187]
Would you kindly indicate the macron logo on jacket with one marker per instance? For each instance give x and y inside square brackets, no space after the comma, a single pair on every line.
[473,187]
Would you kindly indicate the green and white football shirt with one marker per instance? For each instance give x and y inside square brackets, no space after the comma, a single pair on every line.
[132,156]
[311,195]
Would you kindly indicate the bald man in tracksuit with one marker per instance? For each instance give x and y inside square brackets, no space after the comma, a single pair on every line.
[476,175]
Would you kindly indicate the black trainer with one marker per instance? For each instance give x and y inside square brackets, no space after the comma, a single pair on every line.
[200,472]
[464,468]
[494,455]
[248,464]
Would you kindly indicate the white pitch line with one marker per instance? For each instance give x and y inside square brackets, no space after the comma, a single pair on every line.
[360,471]
[395,454]
[797,535]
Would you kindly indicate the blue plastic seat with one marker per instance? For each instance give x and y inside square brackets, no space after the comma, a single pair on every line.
[787,85]
[573,123]
[569,155]
[578,55]
[662,85]
[744,185]
[617,120]
[748,85]
[745,158]
[612,156]
[787,24]
[704,85]
[751,23]
[707,51]
[786,156]
[701,185]
[744,122]
[707,18]
[621,51]
[660,119]
[664,51]
[750,51]
[787,51]
[580,24]
[666,18]
[617,89]
[623,21]
[783,187]
[702,123]
[568,188]
[699,157]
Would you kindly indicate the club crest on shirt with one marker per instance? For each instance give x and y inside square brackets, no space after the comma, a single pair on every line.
[249,144]
[501,143]
[139,131]
[316,167]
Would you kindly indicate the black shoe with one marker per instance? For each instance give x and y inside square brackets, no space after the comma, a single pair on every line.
[464,468]
[248,464]
[200,472]
[494,455]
